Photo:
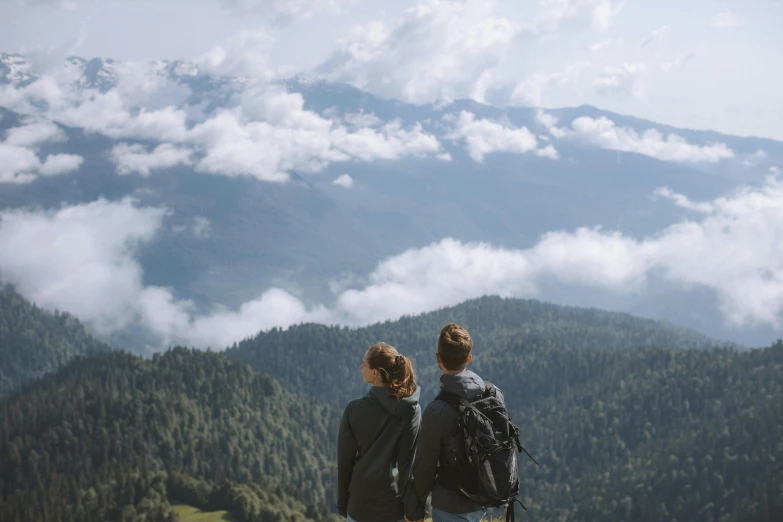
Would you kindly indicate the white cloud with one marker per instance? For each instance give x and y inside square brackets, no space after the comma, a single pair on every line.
[142,104]
[732,248]
[758,157]
[548,152]
[97,277]
[17,164]
[94,276]
[533,90]
[111,116]
[246,54]
[484,137]
[678,63]
[343,180]
[135,158]
[600,14]
[439,275]
[603,44]
[19,161]
[724,20]
[438,50]
[261,130]
[275,307]
[276,11]
[65,4]
[657,35]
[284,11]
[389,142]
[272,134]
[360,120]
[550,122]
[201,227]
[604,133]
[235,148]
[34,134]
[60,164]
[626,79]
[683,201]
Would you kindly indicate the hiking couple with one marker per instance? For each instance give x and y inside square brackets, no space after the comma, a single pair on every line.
[390,456]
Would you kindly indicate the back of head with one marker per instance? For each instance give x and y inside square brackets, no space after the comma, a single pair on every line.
[396,370]
[454,347]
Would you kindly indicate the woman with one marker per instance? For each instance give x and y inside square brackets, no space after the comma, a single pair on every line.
[377,441]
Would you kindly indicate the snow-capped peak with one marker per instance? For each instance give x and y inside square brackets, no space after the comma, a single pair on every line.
[15,69]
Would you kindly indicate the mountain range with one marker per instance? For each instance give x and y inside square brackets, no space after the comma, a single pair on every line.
[225,238]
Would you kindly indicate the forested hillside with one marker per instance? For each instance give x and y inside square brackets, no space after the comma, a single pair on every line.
[98,430]
[323,360]
[34,341]
[630,420]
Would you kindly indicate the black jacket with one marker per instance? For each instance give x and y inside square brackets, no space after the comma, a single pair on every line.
[440,437]
[375,451]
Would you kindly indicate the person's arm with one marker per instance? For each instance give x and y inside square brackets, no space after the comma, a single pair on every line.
[346,457]
[425,466]
[406,456]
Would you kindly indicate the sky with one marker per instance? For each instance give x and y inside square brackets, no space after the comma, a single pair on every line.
[704,64]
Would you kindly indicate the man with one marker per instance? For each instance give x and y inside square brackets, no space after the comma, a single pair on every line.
[439,439]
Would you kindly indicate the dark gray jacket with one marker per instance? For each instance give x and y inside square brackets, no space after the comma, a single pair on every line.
[438,438]
[375,451]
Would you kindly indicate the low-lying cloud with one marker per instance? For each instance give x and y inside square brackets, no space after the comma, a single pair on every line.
[259,130]
[729,245]
[483,136]
[19,154]
[137,159]
[604,133]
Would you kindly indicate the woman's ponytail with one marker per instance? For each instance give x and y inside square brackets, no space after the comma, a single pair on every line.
[396,370]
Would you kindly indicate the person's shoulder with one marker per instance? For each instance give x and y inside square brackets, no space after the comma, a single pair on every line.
[436,407]
[357,403]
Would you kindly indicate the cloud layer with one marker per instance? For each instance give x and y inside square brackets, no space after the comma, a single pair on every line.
[19,158]
[260,129]
[604,133]
[482,137]
[438,50]
[730,246]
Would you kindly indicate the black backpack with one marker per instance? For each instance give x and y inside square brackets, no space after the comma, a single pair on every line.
[486,472]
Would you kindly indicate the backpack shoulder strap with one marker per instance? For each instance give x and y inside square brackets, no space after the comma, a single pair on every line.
[450,398]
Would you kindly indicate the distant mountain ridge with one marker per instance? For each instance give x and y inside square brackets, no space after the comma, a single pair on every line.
[101,74]
[492,321]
